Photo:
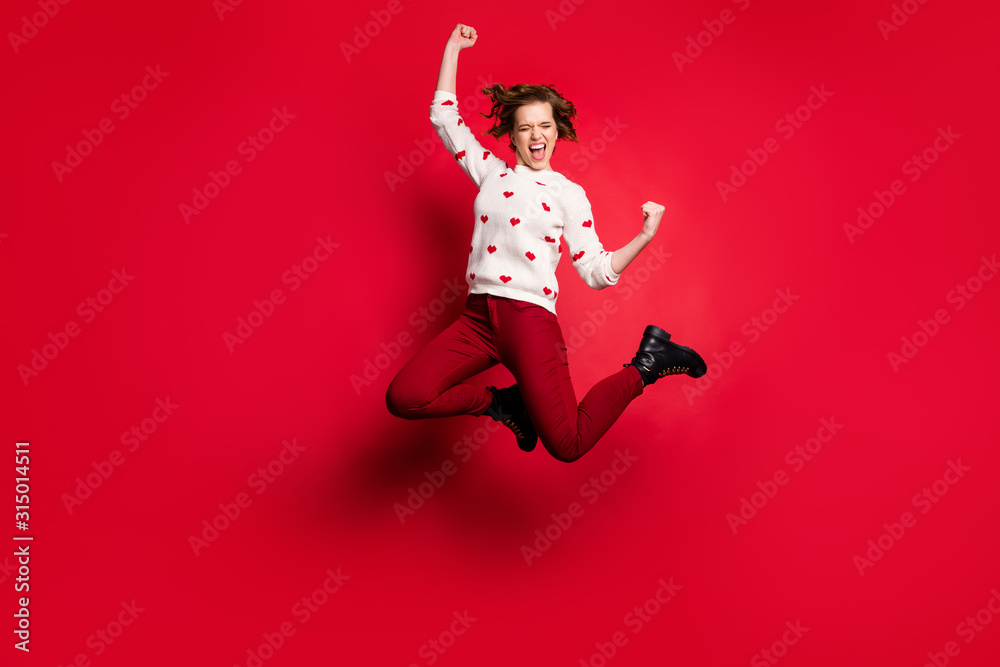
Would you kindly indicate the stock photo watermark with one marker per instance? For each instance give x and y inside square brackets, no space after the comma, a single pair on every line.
[696,45]
[591,490]
[958,297]
[420,319]
[779,648]
[914,167]
[294,277]
[417,496]
[630,282]
[302,610]
[32,23]
[105,636]
[796,458]
[786,126]
[365,33]
[593,148]
[249,149]
[635,620]
[436,647]
[7,569]
[104,468]
[259,481]
[753,329]
[967,629]
[923,501]
[122,107]
[88,310]
[223,7]
[407,163]
[898,17]
[562,12]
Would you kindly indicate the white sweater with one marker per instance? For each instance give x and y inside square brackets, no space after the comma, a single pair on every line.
[520,216]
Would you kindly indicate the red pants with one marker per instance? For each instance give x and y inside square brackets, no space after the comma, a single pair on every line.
[525,338]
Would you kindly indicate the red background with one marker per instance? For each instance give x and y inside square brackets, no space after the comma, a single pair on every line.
[696,455]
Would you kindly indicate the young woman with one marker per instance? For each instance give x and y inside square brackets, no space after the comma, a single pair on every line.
[521,214]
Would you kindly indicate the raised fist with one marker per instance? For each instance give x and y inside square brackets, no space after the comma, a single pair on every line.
[463,36]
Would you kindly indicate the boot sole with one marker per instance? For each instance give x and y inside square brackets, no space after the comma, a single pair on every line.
[703,367]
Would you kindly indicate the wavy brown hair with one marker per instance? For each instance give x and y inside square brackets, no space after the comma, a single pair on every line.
[507,100]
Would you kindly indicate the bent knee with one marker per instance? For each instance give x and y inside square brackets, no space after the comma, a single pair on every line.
[566,450]
[403,402]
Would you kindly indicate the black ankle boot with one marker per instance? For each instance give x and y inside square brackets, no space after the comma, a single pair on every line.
[658,357]
[508,409]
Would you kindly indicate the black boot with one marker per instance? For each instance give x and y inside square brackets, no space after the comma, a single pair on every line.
[508,409]
[658,357]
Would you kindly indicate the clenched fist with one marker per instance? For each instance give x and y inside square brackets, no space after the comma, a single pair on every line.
[651,214]
[463,36]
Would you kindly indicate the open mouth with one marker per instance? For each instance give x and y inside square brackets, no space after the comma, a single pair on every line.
[537,151]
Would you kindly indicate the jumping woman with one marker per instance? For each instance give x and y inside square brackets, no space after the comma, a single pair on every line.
[521,216]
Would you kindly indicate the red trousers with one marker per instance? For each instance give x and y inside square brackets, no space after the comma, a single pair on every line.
[525,338]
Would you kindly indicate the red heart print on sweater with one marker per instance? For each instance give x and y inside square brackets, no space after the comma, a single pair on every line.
[505,279]
[459,155]
[577,255]
[540,183]
[588,223]
[472,275]
[545,206]
[514,221]
[547,291]
[447,103]
[491,249]
[484,218]
[550,239]
[530,255]
[503,174]
[460,122]
[508,195]
[485,154]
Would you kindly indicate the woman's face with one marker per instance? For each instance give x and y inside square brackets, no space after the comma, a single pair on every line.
[534,126]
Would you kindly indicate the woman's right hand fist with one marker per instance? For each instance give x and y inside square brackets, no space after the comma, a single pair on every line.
[463,36]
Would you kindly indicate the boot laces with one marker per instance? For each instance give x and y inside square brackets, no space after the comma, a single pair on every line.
[670,370]
[512,425]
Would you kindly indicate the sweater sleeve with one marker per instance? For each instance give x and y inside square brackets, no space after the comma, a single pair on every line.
[458,139]
[590,259]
